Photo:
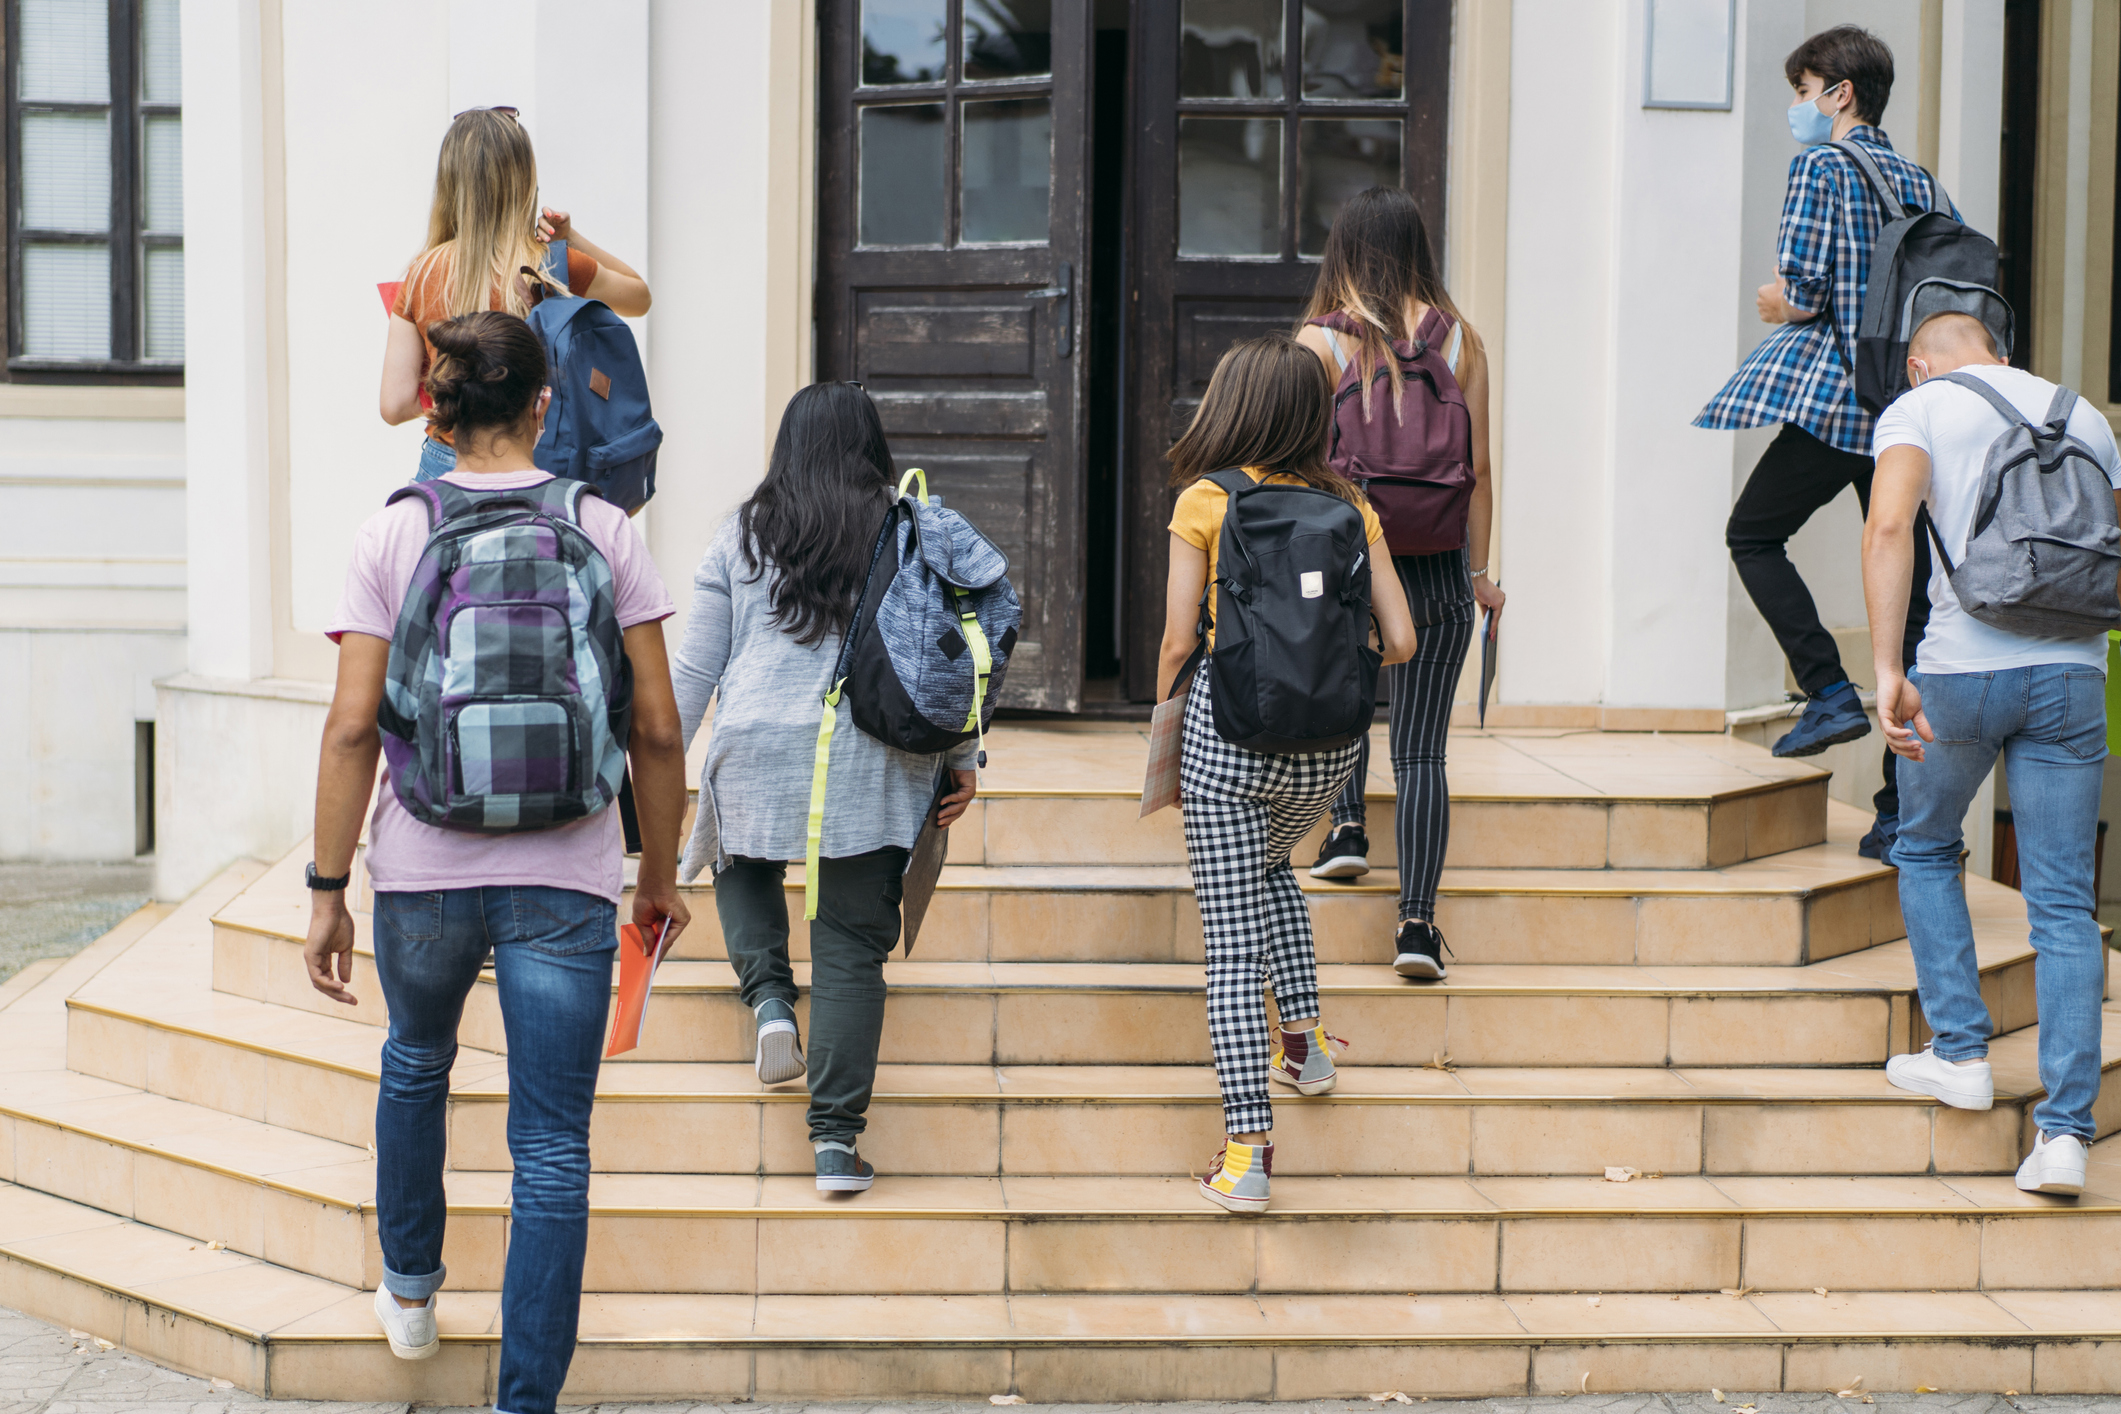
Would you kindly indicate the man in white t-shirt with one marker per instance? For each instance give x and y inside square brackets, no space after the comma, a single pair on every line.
[1977,692]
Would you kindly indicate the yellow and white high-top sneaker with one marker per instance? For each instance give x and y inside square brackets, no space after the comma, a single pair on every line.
[1304,1059]
[1237,1180]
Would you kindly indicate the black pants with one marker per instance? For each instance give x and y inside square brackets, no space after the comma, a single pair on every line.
[856,927]
[1796,476]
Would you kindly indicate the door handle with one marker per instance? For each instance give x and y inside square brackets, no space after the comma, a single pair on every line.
[1063,290]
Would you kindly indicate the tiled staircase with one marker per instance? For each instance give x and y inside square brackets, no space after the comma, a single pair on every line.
[1670,959]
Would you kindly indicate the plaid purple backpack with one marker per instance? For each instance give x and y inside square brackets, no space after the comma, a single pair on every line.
[508,698]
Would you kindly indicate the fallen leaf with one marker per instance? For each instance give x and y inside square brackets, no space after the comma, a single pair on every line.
[102,1344]
[217,1246]
[1585,1387]
[2010,1394]
[224,1384]
[78,1335]
[1717,1392]
[1006,1399]
[1442,1061]
[1818,1291]
[1617,1173]
[1390,1396]
[1925,1389]
[1739,1293]
[1590,1301]
[1744,1409]
[1854,1391]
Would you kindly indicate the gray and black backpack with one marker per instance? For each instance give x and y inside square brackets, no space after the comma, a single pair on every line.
[2043,556]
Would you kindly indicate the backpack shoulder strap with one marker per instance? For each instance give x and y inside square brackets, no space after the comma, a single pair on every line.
[2059,410]
[443,499]
[1996,400]
[1450,356]
[1874,175]
[1329,324]
[1231,479]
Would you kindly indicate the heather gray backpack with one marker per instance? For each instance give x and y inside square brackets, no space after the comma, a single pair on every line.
[2043,556]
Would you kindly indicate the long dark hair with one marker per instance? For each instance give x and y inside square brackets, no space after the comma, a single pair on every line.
[814,519]
[1377,258]
[1268,404]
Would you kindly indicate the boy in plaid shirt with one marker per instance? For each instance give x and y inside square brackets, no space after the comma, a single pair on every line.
[1799,375]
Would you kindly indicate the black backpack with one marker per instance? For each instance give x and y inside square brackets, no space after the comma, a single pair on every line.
[1924,263]
[1293,669]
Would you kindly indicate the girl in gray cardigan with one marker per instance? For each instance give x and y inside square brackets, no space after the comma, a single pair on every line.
[771,602]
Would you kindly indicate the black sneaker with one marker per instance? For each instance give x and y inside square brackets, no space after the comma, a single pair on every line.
[1345,855]
[840,1169]
[1420,951]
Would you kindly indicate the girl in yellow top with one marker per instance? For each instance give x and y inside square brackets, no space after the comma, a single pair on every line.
[1268,410]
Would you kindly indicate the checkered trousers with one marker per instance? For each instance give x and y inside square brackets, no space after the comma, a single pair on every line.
[1245,810]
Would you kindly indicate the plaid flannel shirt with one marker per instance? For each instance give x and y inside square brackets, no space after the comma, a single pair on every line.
[1830,220]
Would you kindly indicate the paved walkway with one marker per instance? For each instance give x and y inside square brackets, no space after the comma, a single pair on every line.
[55,910]
[46,1370]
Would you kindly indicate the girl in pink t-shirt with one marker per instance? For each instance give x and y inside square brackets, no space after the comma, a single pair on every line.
[541,903]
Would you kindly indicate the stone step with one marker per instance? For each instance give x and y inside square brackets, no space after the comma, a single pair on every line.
[318,1075]
[1556,800]
[289,1335]
[1806,905]
[308,1204]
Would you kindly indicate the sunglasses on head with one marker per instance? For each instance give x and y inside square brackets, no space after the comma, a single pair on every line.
[509,111]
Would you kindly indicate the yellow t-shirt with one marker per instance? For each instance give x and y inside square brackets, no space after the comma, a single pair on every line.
[1197,519]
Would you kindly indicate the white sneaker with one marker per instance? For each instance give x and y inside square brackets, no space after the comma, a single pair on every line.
[410,1329]
[1963,1087]
[2054,1166]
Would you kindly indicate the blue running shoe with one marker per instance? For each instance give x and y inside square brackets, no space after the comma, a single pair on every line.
[1878,844]
[1829,719]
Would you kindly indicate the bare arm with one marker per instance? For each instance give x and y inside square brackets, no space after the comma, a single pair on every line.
[402,358]
[657,753]
[1315,338]
[1897,491]
[1182,591]
[616,283]
[346,778]
[1480,511]
[1388,600]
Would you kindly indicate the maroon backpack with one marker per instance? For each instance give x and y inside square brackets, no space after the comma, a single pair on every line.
[1417,468]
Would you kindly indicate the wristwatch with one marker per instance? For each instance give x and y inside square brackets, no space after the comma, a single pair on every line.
[318,882]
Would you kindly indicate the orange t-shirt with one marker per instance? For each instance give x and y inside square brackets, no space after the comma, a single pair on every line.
[1197,519]
[424,298]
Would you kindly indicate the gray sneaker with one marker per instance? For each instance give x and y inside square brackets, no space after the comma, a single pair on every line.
[840,1169]
[409,1329]
[1237,1180]
[780,1046]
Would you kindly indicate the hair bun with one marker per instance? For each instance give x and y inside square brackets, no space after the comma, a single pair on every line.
[488,370]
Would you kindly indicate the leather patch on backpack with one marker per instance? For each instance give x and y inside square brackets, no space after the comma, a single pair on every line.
[600,383]
[952,643]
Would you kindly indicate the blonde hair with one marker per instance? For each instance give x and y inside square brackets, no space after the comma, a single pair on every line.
[1377,258]
[485,214]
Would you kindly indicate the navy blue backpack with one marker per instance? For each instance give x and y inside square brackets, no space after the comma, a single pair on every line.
[599,428]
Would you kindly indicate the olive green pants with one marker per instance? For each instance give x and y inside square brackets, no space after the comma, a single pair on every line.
[856,927]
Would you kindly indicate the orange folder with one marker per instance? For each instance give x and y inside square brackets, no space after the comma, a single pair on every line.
[638,962]
[389,290]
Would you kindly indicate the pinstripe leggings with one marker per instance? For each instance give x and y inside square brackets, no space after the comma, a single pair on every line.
[1421,690]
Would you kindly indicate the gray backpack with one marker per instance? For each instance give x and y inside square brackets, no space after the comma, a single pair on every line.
[2043,557]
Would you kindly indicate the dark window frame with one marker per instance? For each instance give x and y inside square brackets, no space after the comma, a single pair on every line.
[128,242]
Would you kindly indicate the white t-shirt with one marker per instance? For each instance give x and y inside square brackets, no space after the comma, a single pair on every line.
[1955,426]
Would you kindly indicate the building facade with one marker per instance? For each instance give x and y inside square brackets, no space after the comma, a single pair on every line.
[1028,228]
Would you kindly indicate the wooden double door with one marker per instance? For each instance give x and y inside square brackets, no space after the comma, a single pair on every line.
[1041,222]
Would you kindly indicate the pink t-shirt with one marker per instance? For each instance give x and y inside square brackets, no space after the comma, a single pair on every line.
[405,856]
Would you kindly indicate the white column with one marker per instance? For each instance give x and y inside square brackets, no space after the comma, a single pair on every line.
[227,524]
[2076,186]
[1970,110]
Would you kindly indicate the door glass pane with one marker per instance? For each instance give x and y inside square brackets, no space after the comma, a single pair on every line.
[904,41]
[1008,162]
[1229,186]
[65,51]
[66,171]
[65,301]
[163,151]
[1338,158]
[160,74]
[1230,49]
[1354,48]
[902,175]
[165,304]
[1008,39]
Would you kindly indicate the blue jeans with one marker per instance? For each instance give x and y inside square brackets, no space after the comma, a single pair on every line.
[2049,723]
[552,953]
[436,459]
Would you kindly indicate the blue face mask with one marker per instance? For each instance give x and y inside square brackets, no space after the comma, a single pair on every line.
[1810,126]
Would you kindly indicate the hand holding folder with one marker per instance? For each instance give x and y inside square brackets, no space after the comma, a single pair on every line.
[638,961]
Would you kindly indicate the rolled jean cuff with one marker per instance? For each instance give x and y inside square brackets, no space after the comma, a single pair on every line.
[415,1288]
[1981,1054]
